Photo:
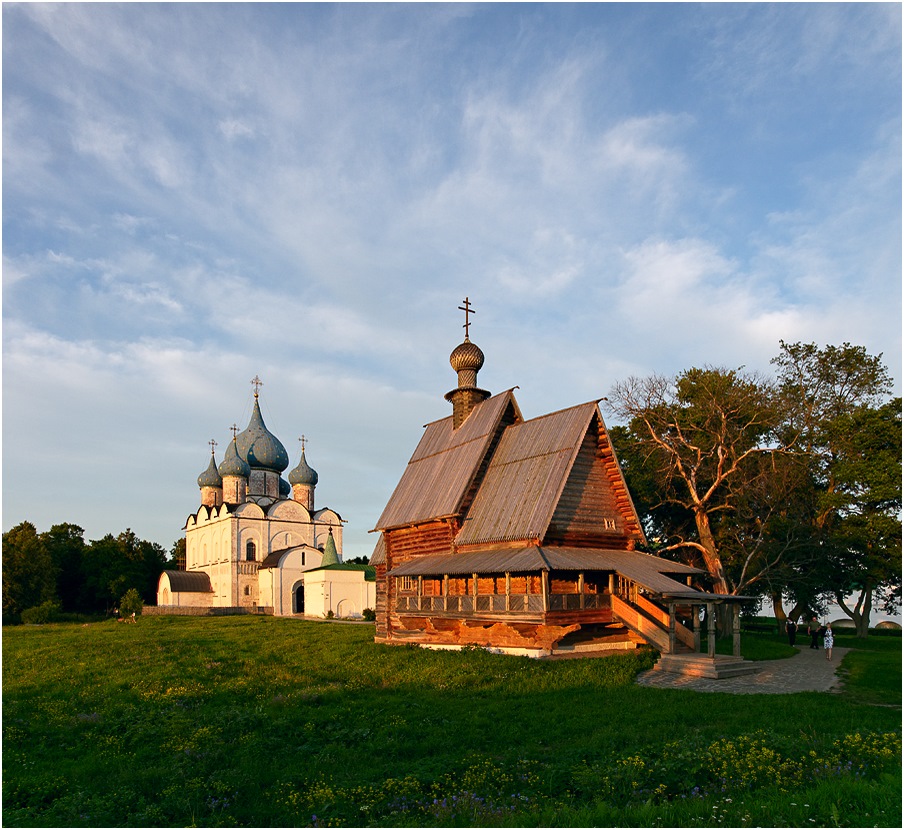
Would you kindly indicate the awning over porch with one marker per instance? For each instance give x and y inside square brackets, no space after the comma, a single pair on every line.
[649,571]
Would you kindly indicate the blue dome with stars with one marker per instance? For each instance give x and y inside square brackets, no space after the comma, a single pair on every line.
[210,477]
[259,447]
[233,465]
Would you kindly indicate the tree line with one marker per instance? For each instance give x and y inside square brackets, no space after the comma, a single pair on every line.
[785,488]
[59,572]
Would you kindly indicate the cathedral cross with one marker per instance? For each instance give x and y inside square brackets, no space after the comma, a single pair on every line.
[466,308]
[303,442]
[235,430]
[257,383]
[213,446]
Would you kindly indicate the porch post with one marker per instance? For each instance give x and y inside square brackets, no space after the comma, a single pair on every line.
[474,576]
[711,628]
[695,609]
[508,590]
[736,629]
[445,592]
[671,628]
[544,585]
[611,584]
[581,590]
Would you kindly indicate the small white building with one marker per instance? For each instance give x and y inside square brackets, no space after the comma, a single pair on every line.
[257,542]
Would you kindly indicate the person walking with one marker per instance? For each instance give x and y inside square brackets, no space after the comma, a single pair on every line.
[813,631]
[791,629]
[828,641]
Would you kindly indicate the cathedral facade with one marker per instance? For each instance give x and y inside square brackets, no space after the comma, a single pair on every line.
[258,543]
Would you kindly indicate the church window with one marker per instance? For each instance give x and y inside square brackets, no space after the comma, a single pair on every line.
[247,590]
[250,552]
[407,583]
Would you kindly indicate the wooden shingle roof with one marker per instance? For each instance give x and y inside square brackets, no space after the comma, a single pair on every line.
[444,465]
[525,478]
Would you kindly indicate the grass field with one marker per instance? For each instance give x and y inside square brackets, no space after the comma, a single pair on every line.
[276,722]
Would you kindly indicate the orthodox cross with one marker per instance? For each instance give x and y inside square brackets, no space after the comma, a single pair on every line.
[466,308]
[235,430]
[257,383]
[213,446]
[303,442]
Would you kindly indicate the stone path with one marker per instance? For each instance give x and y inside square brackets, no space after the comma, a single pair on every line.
[806,671]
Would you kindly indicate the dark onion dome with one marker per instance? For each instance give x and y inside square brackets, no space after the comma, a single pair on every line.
[466,356]
[260,447]
[330,556]
[210,477]
[233,465]
[285,489]
[303,474]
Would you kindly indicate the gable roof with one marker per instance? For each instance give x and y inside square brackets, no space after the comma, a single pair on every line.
[525,478]
[445,464]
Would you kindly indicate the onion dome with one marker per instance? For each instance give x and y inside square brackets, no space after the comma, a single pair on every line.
[260,447]
[285,489]
[330,556]
[303,474]
[467,356]
[232,464]
[210,477]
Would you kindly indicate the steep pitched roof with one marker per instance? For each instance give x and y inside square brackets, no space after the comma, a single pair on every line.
[445,464]
[523,482]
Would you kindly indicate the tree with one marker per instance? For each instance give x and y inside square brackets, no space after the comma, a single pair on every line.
[705,445]
[29,577]
[113,564]
[66,544]
[177,555]
[837,410]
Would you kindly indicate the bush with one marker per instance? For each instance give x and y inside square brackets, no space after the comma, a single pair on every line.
[369,614]
[44,613]
[131,603]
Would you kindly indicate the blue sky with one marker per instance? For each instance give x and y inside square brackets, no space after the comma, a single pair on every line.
[197,194]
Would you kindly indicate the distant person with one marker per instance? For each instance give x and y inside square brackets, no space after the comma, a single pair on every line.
[814,629]
[791,629]
[828,640]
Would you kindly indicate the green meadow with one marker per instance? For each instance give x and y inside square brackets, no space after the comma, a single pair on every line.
[261,721]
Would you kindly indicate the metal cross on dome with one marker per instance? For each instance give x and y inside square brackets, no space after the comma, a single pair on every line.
[466,308]
[213,446]
[235,430]
[303,442]
[257,383]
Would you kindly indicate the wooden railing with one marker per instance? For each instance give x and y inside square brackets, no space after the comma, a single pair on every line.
[648,619]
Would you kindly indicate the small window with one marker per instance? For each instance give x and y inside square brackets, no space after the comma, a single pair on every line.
[247,590]
[250,552]
[609,524]
[407,583]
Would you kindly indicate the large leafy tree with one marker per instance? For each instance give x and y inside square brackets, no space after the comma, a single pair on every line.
[702,451]
[29,576]
[112,565]
[66,544]
[837,409]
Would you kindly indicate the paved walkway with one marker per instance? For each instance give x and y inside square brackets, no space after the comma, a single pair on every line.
[806,671]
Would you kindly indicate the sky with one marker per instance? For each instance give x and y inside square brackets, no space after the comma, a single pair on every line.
[195,195]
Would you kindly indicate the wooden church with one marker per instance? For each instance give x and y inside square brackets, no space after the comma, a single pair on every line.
[520,536]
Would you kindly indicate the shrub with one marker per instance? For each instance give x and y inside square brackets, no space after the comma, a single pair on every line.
[131,603]
[46,612]
[369,614]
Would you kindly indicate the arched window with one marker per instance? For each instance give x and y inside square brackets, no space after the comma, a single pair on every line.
[247,590]
[250,551]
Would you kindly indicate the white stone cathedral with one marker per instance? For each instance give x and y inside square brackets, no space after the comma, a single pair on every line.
[257,542]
